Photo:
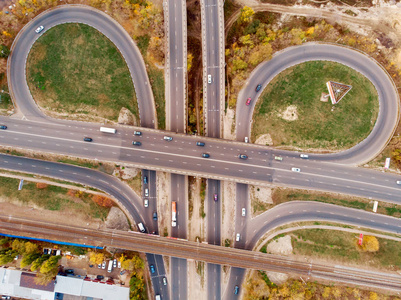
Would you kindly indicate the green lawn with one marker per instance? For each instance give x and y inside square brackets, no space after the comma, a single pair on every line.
[52,198]
[73,68]
[337,245]
[317,126]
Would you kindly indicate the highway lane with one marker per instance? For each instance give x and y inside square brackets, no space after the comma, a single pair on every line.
[182,156]
[388,97]
[212,17]
[199,251]
[176,113]
[299,211]
[92,17]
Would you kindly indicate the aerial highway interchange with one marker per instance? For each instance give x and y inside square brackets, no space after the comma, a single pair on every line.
[30,129]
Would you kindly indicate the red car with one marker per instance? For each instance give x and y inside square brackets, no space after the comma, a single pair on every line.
[248,101]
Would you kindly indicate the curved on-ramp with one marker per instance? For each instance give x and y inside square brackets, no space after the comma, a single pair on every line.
[18,87]
[388,116]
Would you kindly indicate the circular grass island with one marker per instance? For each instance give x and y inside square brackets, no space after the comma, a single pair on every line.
[290,112]
[74,71]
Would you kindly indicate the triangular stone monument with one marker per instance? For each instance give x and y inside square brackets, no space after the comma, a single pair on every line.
[337,91]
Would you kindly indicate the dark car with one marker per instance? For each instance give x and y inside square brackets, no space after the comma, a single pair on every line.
[215,197]
[258,87]
[200,144]
[243,156]
[155,216]
[248,101]
[236,290]
[145,179]
[152,269]
[137,133]
[88,139]
[69,271]
[136,143]
[100,277]
[205,155]
[3,127]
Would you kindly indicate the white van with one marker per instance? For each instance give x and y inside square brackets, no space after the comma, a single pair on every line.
[141,227]
[110,268]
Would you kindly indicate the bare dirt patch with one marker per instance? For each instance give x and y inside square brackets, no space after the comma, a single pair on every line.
[163,203]
[261,199]
[290,114]
[264,139]
[116,219]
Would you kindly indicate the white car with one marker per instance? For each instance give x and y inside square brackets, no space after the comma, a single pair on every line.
[39,29]
[237,237]
[115,263]
[306,156]
[104,265]
[146,203]
[278,158]
[246,139]
[209,78]
[243,212]
[296,170]
[119,264]
[168,138]
[146,192]
[399,182]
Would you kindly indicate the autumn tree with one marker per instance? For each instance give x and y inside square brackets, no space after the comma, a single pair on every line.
[30,248]
[45,278]
[27,259]
[369,244]
[246,15]
[96,258]
[38,262]
[102,200]
[19,246]
[41,185]
[256,287]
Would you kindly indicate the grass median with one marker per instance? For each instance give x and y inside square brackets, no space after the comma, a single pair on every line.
[74,69]
[290,110]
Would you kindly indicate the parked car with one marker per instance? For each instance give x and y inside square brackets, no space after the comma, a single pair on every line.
[122,272]
[145,179]
[399,182]
[88,139]
[154,216]
[258,87]
[119,264]
[306,156]
[137,133]
[296,170]
[216,197]
[69,271]
[248,101]
[146,203]
[243,156]
[168,138]
[4,127]
[100,277]
[152,269]
[104,265]
[99,266]
[136,143]
[236,290]
[200,144]
[115,263]
[205,155]
[243,212]
[39,29]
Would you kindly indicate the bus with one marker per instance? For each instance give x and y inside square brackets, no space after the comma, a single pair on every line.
[107,130]
[110,268]
[174,214]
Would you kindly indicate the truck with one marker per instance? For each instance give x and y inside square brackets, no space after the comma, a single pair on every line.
[107,130]
[110,268]
[174,214]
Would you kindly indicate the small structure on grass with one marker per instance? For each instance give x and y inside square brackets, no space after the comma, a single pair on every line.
[337,91]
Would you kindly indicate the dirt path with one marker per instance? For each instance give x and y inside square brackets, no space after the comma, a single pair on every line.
[382,19]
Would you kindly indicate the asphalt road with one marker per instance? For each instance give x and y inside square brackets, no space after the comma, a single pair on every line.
[182,156]
[97,19]
[388,97]
[199,251]
[176,121]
